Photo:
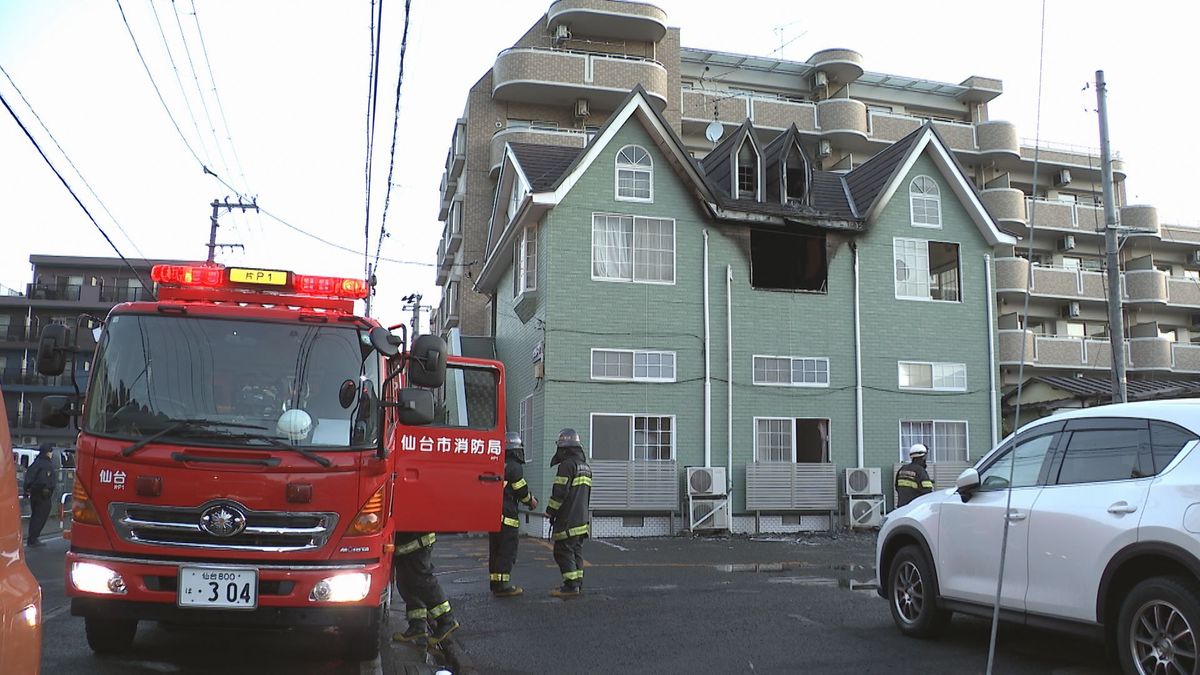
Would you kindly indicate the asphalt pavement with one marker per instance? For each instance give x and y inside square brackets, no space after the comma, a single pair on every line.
[664,605]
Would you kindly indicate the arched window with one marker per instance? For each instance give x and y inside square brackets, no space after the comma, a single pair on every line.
[635,174]
[747,172]
[926,202]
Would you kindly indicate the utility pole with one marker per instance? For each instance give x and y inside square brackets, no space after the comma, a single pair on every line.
[1116,326]
[212,230]
[413,301]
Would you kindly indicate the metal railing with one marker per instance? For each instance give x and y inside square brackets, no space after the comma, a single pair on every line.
[57,292]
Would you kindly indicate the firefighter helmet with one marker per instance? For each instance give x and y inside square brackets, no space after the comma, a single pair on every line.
[917,451]
[514,447]
[569,438]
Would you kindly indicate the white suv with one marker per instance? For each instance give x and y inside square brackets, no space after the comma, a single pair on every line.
[1103,535]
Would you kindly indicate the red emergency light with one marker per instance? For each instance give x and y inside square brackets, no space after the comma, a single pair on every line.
[338,287]
[210,276]
[216,276]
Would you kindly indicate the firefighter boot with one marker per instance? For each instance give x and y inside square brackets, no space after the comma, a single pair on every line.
[442,629]
[503,590]
[417,631]
[569,589]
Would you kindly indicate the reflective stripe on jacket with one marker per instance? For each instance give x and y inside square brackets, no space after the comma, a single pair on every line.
[570,499]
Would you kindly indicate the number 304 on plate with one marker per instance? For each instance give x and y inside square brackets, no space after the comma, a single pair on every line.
[218,587]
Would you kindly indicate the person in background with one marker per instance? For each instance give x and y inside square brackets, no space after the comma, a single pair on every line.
[502,545]
[912,480]
[39,487]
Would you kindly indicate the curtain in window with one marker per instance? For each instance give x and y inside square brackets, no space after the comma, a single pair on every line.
[654,240]
[612,247]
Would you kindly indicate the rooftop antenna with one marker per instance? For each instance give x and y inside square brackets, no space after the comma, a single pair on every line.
[779,30]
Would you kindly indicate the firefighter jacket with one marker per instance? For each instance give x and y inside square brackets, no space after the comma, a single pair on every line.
[516,491]
[912,481]
[408,542]
[569,505]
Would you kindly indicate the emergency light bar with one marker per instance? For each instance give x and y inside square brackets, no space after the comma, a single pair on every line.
[216,276]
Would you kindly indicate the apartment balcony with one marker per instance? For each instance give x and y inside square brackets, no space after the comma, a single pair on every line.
[1081,159]
[445,261]
[843,120]
[452,232]
[561,77]
[1185,358]
[1142,218]
[1007,206]
[46,292]
[444,199]
[1059,352]
[119,294]
[1047,214]
[1049,282]
[571,138]
[1183,292]
[602,18]
[19,335]
[767,112]
[1151,354]
[456,157]
[841,65]
[998,139]
[1146,287]
[891,127]
[448,309]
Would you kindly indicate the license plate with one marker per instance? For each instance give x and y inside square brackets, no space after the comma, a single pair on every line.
[240,275]
[218,587]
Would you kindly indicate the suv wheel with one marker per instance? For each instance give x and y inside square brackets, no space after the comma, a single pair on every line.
[109,636]
[912,594]
[1159,627]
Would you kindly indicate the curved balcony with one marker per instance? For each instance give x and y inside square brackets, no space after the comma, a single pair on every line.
[842,119]
[1141,217]
[604,18]
[1007,205]
[1011,275]
[560,77]
[1151,353]
[1010,346]
[841,65]
[998,138]
[558,137]
[1146,287]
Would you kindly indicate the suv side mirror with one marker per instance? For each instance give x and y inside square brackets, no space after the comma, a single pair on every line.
[56,411]
[427,362]
[967,482]
[415,406]
[52,349]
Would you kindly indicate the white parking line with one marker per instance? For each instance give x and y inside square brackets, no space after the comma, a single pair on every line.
[609,543]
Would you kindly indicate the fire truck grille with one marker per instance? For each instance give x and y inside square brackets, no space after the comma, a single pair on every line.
[249,530]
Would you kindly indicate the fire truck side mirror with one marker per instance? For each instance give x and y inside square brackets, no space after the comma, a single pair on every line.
[52,349]
[427,362]
[415,407]
[56,411]
[384,342]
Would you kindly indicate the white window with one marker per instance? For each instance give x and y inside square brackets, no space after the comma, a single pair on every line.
[787,439]
[791,371]
[525,261]
[633,364]
[514,199]
[946,440]
[926,202]
[746,172]
[637,437]
[635,174]
[632,248]
[933,376]
[926,270]
[525,426]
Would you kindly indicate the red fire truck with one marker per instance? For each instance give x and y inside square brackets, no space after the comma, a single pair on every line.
[248,446]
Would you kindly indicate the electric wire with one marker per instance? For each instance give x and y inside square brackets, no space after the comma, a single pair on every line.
[73,195]
[199,90]
[339,247]
[187,103]
[372,103]
[1012,465]
[72,164]
[387,200]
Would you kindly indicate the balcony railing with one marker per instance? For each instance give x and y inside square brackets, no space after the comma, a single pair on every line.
[634,485]
[19,334]
[47,292]
[791,486]
[1055,351]
[575,138]
[34,379]
[117,294]
[561,76]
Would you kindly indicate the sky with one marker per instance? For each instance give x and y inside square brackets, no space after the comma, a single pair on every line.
[292,81]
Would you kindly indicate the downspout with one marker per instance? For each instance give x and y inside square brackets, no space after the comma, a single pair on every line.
[991,335]
[729,378]
[858,386]
[707,373]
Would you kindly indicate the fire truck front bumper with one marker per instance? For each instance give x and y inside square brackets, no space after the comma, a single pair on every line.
[252,593]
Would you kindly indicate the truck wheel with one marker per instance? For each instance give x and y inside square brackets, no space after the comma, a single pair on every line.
[109,636]
[363,643]
[1159,627]
[912,595]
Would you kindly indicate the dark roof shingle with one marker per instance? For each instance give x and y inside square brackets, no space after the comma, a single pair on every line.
[543,165]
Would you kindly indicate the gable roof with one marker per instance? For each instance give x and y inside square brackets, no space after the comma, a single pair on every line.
[868,179]
[543,165]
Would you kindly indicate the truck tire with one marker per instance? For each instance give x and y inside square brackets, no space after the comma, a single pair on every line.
[1159,627]
[109,636]
[364,642]
[912,595]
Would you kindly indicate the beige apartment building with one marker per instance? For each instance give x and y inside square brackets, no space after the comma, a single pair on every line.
[561,80]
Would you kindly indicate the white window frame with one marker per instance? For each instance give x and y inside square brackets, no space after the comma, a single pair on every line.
[928,194]
[635,353]
[758,183]
[525,261]
[525,424]
[791,432]
[933,375]
[633,251]
[792,367]
[635,167]
[515,196]
[933,450]
[897,242]
[633,433]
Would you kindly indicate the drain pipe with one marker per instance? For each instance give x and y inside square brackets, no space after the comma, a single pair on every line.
[729,380]
[707,373]
[991,335]
[858,386]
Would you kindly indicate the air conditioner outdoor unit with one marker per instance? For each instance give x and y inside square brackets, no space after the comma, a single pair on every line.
[581,108]
[1194,259]
[865,513]
[824,149]
[1062,177]
[1071,310]
[820,79]
[1066,243]
[864,481]
[706,481]
[710,514]
[561,32]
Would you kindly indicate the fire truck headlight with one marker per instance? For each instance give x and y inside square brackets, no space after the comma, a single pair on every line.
[93,578]
[350,587]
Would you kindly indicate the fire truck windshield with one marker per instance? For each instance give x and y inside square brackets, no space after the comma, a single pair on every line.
[310,385]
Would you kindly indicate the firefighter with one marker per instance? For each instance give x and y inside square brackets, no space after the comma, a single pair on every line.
[502,545]
[425,604]
[568,510]
[912,480]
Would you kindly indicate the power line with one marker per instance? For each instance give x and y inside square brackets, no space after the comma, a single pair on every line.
[178,80]
[372,102]
[75,196]
[73,167]
[196,78]
[339,247]
[387,200]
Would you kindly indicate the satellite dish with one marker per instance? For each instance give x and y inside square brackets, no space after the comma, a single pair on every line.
[713,131]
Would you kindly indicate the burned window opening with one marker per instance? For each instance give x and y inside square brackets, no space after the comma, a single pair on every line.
[788,261]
